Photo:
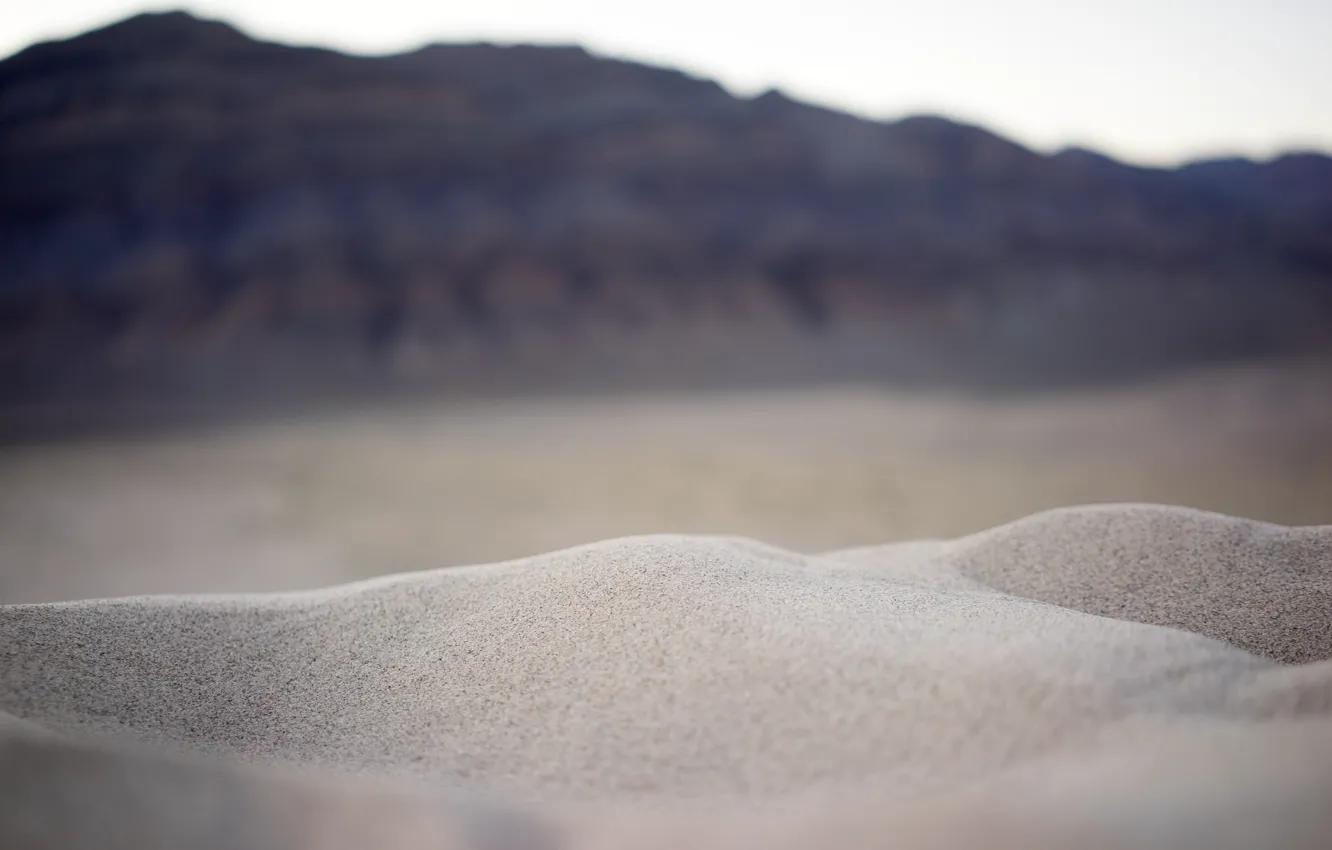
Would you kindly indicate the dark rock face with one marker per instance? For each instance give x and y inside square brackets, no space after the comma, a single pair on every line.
[185,209]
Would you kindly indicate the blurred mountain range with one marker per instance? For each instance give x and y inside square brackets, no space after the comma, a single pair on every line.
[185,210]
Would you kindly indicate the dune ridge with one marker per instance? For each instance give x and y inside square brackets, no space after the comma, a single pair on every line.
[1116,676]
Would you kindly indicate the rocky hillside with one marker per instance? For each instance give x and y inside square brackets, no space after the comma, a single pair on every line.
[184,209]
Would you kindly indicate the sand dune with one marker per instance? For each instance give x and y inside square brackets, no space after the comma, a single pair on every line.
[1111,676]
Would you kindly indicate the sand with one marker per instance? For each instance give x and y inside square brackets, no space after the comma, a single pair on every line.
[322,499]
[1118,676]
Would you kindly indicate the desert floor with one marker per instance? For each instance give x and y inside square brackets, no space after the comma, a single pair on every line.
[309,501]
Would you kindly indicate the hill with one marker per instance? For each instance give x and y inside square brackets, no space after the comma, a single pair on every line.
[187,210]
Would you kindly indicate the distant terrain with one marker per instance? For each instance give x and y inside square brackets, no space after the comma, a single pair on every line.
[314,500]
[189,213]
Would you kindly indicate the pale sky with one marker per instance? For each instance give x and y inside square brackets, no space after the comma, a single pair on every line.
[1152,81]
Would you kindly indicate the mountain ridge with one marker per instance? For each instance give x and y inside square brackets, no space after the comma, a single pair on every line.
[182,22]
[178,197]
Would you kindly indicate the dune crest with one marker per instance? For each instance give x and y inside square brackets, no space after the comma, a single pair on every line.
[1122,676]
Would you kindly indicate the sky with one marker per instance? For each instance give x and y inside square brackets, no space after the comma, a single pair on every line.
[1150,81]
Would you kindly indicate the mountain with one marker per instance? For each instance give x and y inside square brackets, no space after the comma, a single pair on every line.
[186,210]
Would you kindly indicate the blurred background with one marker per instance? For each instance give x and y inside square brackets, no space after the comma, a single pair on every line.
[276,316]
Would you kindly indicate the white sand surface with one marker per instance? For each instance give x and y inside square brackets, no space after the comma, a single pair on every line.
[1117,676]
